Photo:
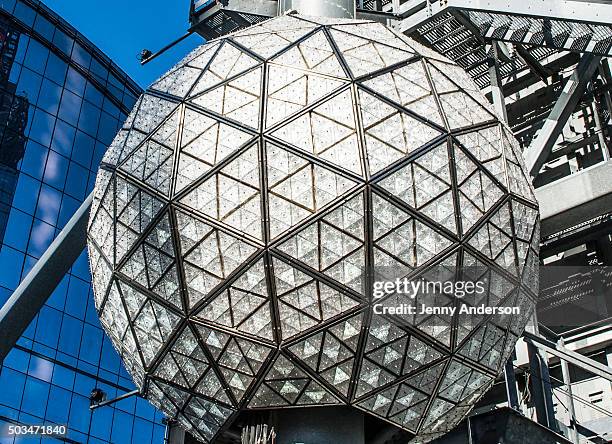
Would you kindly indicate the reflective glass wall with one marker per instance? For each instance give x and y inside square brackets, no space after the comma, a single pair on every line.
[61,103]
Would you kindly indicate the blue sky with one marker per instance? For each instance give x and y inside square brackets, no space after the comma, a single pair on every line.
[121,28]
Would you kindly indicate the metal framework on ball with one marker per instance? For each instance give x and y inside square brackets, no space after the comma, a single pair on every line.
[237,209]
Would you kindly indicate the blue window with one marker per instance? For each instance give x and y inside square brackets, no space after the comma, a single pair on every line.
[59,404]
[22,48]
[12,383]
[18,229]
[81,56]
[27,190]
[70,107]
[79,413]
[122,428]
[90,116]
[49,202]
[80,268]
[58,297]
[110,107]
[55,170]
[83,149]
[70,336]
[34,160]
[91,344]
[41,237]
[36,57]
[47,333]
[98,154]
[76,299]
[63,42]
[93,95]
[56,69]
[25,13]
[67,210]
[108,129]
[44,27]
[12,264]
[29,84]
[102,423]
[63,138]
[109,359]
[63,377]
[76,182]
[50,98]
[143,431]
[42,127]
[75,82]
[35,397]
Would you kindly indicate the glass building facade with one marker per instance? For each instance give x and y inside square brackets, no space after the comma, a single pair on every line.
[61,103]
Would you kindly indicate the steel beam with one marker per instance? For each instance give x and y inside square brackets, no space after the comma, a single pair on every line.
[511,387]
[541,387]
[499,101]
[537,154]
[34,291]
[570,398]
[570,356]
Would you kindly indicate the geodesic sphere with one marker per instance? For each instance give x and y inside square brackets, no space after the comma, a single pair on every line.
[249,189]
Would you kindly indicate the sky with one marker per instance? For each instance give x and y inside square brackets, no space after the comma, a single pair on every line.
[122,28]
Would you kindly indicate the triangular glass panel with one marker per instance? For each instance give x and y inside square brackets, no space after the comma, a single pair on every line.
[100,224]
[478,193]
[291,90]
[153,327]
[331,353]
[389,133]
[305,302]
[285,385]
[334,244]
[267,42]
[409,87]
[178,82]
[376,32]
[485,346]
[313,54]
[328,132]
[401,239]
[210,255]
[151,112]
[244,306]
[232,195]
[206,416]
[228,62]
[205,143]
[299,188]
[135,209]
[365,56]
[238,99]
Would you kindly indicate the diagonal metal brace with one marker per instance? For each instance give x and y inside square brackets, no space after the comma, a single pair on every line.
[34,291]
[539,150]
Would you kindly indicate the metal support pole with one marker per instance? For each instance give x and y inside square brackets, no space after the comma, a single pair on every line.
[33,292]
[511,388]
[114,400]
[497,91]
[541,388]
[542,145]
[570,398]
